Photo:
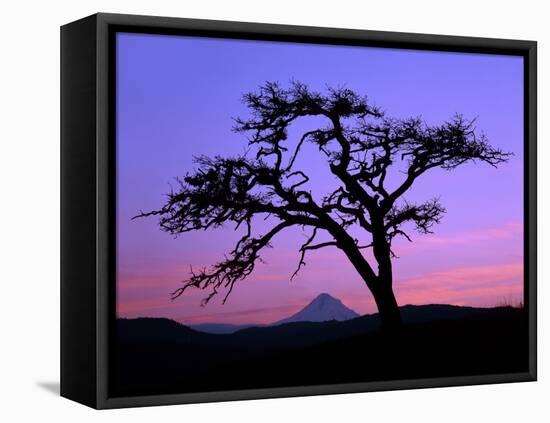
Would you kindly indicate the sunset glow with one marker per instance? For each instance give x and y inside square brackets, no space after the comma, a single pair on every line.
[176,97]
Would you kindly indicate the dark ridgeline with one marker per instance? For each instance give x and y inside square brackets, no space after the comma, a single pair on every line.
[363,149]
[160,356]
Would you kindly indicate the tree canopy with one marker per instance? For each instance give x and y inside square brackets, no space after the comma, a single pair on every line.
[360,145]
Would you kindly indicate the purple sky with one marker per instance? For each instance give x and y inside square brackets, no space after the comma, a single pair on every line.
[176,97]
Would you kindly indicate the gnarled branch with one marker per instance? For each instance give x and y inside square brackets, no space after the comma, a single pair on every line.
[361,146]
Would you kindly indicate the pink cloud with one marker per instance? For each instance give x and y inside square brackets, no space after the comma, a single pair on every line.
[142,307]
[262,316]
[449,268]
[477,285]
[483,235]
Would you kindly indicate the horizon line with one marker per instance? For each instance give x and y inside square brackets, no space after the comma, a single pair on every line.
[503,304]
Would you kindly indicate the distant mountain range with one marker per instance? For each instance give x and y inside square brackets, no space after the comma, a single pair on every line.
[222,328]
[323,308]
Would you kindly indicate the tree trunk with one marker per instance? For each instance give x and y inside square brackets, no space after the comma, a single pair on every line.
[381,288]
[381,285]
[387,307]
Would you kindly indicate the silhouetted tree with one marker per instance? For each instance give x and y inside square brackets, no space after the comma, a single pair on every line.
[361,146]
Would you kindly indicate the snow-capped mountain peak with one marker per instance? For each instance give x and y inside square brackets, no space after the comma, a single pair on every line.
[323,308]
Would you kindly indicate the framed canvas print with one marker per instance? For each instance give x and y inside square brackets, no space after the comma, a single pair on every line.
[255,211]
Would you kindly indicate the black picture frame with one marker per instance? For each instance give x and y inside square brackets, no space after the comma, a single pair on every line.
[88,195]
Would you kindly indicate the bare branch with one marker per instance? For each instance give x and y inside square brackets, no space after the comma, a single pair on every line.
[237,267]
[423,216]
[361,147]
[308,246]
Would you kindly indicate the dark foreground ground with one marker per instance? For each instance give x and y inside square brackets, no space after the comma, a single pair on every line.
[160,356]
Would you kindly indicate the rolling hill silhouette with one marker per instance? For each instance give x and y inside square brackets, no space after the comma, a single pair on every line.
[161,356]
[280,334]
